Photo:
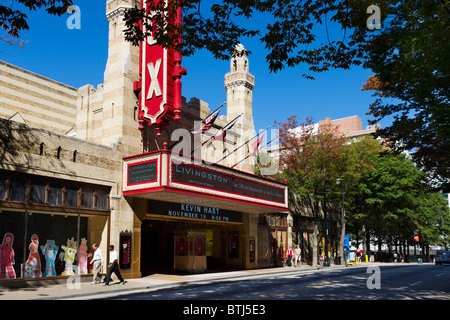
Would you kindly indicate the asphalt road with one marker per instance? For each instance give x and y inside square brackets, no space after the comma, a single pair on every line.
[396,282]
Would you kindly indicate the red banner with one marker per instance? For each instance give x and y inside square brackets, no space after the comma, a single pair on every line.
[160,86]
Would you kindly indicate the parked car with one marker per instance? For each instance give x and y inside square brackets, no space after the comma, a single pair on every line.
[442,256]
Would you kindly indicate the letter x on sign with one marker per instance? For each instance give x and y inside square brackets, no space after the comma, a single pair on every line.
[154,84]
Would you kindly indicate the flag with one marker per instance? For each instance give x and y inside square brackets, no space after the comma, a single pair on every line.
[221,134]
[255,146]
[208,123]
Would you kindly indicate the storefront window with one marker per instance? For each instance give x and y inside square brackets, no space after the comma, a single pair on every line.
[58,235]
[12,226]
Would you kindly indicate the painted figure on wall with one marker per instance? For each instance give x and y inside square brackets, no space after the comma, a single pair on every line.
[49,251]
[83,257]
[33,264]
[7,257]
[69,257]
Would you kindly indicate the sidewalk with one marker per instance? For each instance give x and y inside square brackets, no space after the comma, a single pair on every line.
[62,289]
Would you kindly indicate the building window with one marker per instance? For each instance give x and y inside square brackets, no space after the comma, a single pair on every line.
[37,192]
[71,197]
[17,189]
[87,198]
[102,199]
[2,187]
[55,194]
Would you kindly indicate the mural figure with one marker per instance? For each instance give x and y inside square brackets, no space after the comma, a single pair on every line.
[69,257]
[7,257]
[33,264]
[83,257]
[49,251]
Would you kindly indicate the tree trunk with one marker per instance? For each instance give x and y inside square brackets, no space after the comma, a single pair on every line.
[315,244]
[364,244]
[342,225]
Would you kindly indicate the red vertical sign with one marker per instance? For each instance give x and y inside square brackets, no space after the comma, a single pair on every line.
[160,85]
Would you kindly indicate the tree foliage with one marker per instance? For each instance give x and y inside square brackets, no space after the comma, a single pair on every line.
[411,83]
[308,158]
[394,200]
[287,33]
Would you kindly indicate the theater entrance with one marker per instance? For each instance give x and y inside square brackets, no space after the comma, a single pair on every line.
[182,247]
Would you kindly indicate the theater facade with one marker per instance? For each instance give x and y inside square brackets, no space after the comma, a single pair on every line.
[198,216]
[79,166]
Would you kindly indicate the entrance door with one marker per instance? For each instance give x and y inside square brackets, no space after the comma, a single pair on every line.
[156,247]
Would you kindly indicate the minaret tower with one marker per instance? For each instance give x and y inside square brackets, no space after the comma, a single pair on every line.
[239,83]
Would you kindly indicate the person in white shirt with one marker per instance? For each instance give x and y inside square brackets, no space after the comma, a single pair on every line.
[97,261]
[113,267]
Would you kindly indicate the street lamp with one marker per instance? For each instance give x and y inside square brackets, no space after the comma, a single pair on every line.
[326,261]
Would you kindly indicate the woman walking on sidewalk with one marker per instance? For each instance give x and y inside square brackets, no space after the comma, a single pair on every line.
[298,256]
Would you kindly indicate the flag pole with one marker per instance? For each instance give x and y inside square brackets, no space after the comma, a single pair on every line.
[243,145]
[195,126]
[250,154]
[214,134]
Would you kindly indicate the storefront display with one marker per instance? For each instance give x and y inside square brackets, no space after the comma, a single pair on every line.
[49,251]
[47,225]
[7,258]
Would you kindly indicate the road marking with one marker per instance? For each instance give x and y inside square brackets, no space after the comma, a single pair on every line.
[440,274]
[280,293]
[415,283]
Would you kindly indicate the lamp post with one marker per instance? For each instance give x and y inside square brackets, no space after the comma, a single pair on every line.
[326,261]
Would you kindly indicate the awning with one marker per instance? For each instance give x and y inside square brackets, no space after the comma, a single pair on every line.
[166,176]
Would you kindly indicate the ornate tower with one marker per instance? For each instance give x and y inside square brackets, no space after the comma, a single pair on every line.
[239,83]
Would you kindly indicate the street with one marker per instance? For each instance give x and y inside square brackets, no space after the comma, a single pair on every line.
[356,282]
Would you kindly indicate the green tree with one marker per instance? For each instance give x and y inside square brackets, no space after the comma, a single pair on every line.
[411,76]
[308,161]
[432,218]
[387,200]
[356,161]
[287,32]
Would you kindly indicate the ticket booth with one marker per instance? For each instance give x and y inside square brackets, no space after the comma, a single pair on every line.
[190,251]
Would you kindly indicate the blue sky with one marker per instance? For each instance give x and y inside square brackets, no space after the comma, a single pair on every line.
[78,57]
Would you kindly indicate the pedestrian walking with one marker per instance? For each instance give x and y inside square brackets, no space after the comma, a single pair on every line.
[395,257]
[113,267]
[298,256]
[345,255]
[97,262]
[358,256]
[289,255]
